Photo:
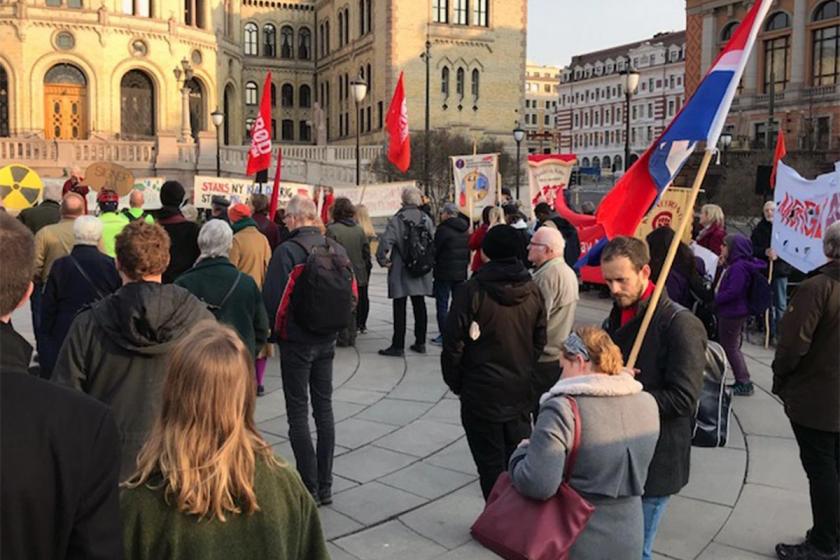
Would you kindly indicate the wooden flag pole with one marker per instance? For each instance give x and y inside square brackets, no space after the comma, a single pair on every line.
[767,313]
[669,258]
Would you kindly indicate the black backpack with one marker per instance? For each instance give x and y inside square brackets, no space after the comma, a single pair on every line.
[322,297]
[418,252]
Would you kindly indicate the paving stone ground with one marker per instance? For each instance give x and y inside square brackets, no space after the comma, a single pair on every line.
[406,485]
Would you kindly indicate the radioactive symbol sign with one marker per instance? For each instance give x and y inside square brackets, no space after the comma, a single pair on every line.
[20,187]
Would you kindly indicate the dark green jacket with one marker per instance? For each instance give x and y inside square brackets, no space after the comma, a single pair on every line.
[211,279]
[46,213]
[352,237]
[286,527]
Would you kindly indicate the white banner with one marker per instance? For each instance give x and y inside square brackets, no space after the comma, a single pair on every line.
[804,209]
[381,200]
[548,175]
[240,190]
[475,176]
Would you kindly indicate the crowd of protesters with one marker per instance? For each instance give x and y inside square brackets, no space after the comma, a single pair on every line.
[153,334]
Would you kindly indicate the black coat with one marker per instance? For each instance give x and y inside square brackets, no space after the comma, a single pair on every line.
[492,370]
[46,213]
[452,252]
[670,366]
[183,237]
[761,238]
[570,235]
[67,291]
[59,455]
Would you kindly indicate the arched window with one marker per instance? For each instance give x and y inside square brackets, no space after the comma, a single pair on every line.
[327,35]
[305,96]
[304,43]
[137,105]
[444,81]
[826,45]
[198,111]
[269,40]
[475,83]
[321,42]
[347,25]
[4,102]
[617,164]
[777,21]
[606,163]
[340,29]
[287,95]
[251,36]
[596,161]
[584,162]
[251,93]
[273,95]
[286,41]
[459,82]
[727,31]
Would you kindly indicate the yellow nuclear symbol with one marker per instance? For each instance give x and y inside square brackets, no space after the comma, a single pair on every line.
[20,187]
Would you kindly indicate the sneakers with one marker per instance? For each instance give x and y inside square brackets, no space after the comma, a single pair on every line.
[260,390]
[419,348]
[804,551]
[743,389]
[438,340]
[325,499]
[393,352]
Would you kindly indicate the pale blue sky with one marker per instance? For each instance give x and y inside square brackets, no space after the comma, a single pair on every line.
[559,29]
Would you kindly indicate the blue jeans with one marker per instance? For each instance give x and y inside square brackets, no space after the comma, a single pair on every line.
[779,289]
[443,289]
[652,507]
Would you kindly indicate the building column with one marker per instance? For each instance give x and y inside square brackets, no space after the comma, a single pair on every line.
[708,42]
[798,42]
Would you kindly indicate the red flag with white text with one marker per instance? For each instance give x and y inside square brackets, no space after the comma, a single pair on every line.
[781,151]
[399,145]
[259,156]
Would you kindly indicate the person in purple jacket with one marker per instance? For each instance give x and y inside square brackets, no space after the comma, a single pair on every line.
[732,302]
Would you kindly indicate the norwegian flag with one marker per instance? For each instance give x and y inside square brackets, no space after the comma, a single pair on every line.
[259,156]
[399,145]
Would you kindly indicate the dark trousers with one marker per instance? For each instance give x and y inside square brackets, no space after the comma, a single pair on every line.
[819,452]
[729,333]
[492,443]
[546,375]
[308,368]
[35,309]
[420,319]
[443,290]
[363,309]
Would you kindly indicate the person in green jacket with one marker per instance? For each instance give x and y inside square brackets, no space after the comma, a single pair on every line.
[112,222]
[135,211]
[207,484]
[232,296]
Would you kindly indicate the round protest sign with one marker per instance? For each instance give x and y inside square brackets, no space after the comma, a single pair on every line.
[20,187]
[103,174]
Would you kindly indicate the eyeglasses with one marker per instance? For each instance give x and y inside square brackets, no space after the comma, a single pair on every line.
[532,244]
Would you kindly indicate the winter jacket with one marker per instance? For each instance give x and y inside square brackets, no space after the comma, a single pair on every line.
[559,287]
[59,455]
[116,351]
[570,234]
[51,243]
[210,280]
[452,252]
[762,237]
[619,427]
[521,229]
[712,237]
[391,247]
[806,370]
[352,237]
[112,225]
[476,239]
[250,251]
[67,292]
[683,290]
[285,258]
[287,526]
[732,297]
[269,229]
[494,333]
[183,237]
[670,366]
[38,217]
[15,351]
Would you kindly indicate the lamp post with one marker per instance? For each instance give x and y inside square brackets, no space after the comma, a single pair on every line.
[518,136]
[426,56]
[631,82]
[359,89]
[725,142]
[218,118]
[186,70]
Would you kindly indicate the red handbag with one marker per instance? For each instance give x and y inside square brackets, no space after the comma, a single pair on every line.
[519,528]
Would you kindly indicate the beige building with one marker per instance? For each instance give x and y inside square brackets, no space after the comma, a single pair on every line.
[539,121]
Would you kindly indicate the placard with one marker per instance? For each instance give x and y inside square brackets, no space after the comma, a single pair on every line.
[240,190]
[103,174]
[381,199]
[475,182]
[668,212]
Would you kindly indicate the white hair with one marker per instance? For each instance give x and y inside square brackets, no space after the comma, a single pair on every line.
[412,195]
[87,230]
[831,241]
[302,208]
[769,204]
[553,239]
[215,239]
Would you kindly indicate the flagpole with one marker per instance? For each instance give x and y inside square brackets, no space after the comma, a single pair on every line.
[767,312]
[669,258]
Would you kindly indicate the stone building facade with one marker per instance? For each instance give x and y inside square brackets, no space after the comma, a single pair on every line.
[541,83]
[591,105]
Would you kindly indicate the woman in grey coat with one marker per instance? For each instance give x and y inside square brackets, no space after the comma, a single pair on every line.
[401,284]
[619,430]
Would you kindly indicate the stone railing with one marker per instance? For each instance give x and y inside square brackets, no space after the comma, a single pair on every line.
[119,152]
[311,170]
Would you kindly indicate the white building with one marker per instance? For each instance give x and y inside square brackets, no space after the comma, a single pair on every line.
[540,107]
[591,102]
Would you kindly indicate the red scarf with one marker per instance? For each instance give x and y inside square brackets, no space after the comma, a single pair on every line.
[628,314]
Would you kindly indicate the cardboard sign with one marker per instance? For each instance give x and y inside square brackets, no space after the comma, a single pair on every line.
[381,200]
[240,190]
[668,212]
[103,174]
[20,187]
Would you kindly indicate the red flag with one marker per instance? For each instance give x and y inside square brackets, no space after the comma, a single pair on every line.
[399,144]
[272,209]
[781,151]
[259,156]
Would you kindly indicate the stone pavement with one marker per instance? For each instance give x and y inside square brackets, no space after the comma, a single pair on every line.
[406,486]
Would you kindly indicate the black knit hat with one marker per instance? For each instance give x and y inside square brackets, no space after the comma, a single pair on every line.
[501,242]
[172,194]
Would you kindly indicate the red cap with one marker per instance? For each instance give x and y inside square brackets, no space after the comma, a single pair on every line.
[107,195]
[239,211]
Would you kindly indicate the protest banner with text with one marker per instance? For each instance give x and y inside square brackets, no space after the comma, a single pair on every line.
[240,190]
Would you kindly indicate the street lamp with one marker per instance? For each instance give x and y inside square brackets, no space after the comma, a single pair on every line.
[518,136]
[218,118]
[359,88]
[725,142]
[631,82]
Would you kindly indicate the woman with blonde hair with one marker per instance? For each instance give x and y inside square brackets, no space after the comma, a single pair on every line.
[364,221]
[714,228]
[207,485]
[619,427]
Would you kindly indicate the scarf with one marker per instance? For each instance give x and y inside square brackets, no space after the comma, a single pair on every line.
[243,223]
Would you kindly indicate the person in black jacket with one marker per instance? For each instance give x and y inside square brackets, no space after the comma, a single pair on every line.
[543,212]
[493,336]
[761,238]
[59,450]
[84,276]
[670,368]
[183,234]
[46,213]
[452,257]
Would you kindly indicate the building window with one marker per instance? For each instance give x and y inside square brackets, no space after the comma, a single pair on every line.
[379,114]
[776,54]
[249,124]
[760,135]
[251,93]
[547,120]
[288,130]
[286,41]
[728,29]
[777,21]
[461,12]
[823,132]
[269,40]
[480,13]
[321,43]
[475,83]
[362,18]
[274,129]
[440,11]
[826,46]
[251,33]
[4,103]
[340,29]
[287,95]
[347,25]
[305,96]
[304,43]
[142,8]
[137,103]
[327,35]
[459,82]
[305,134]
[273,95]
[194,13]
